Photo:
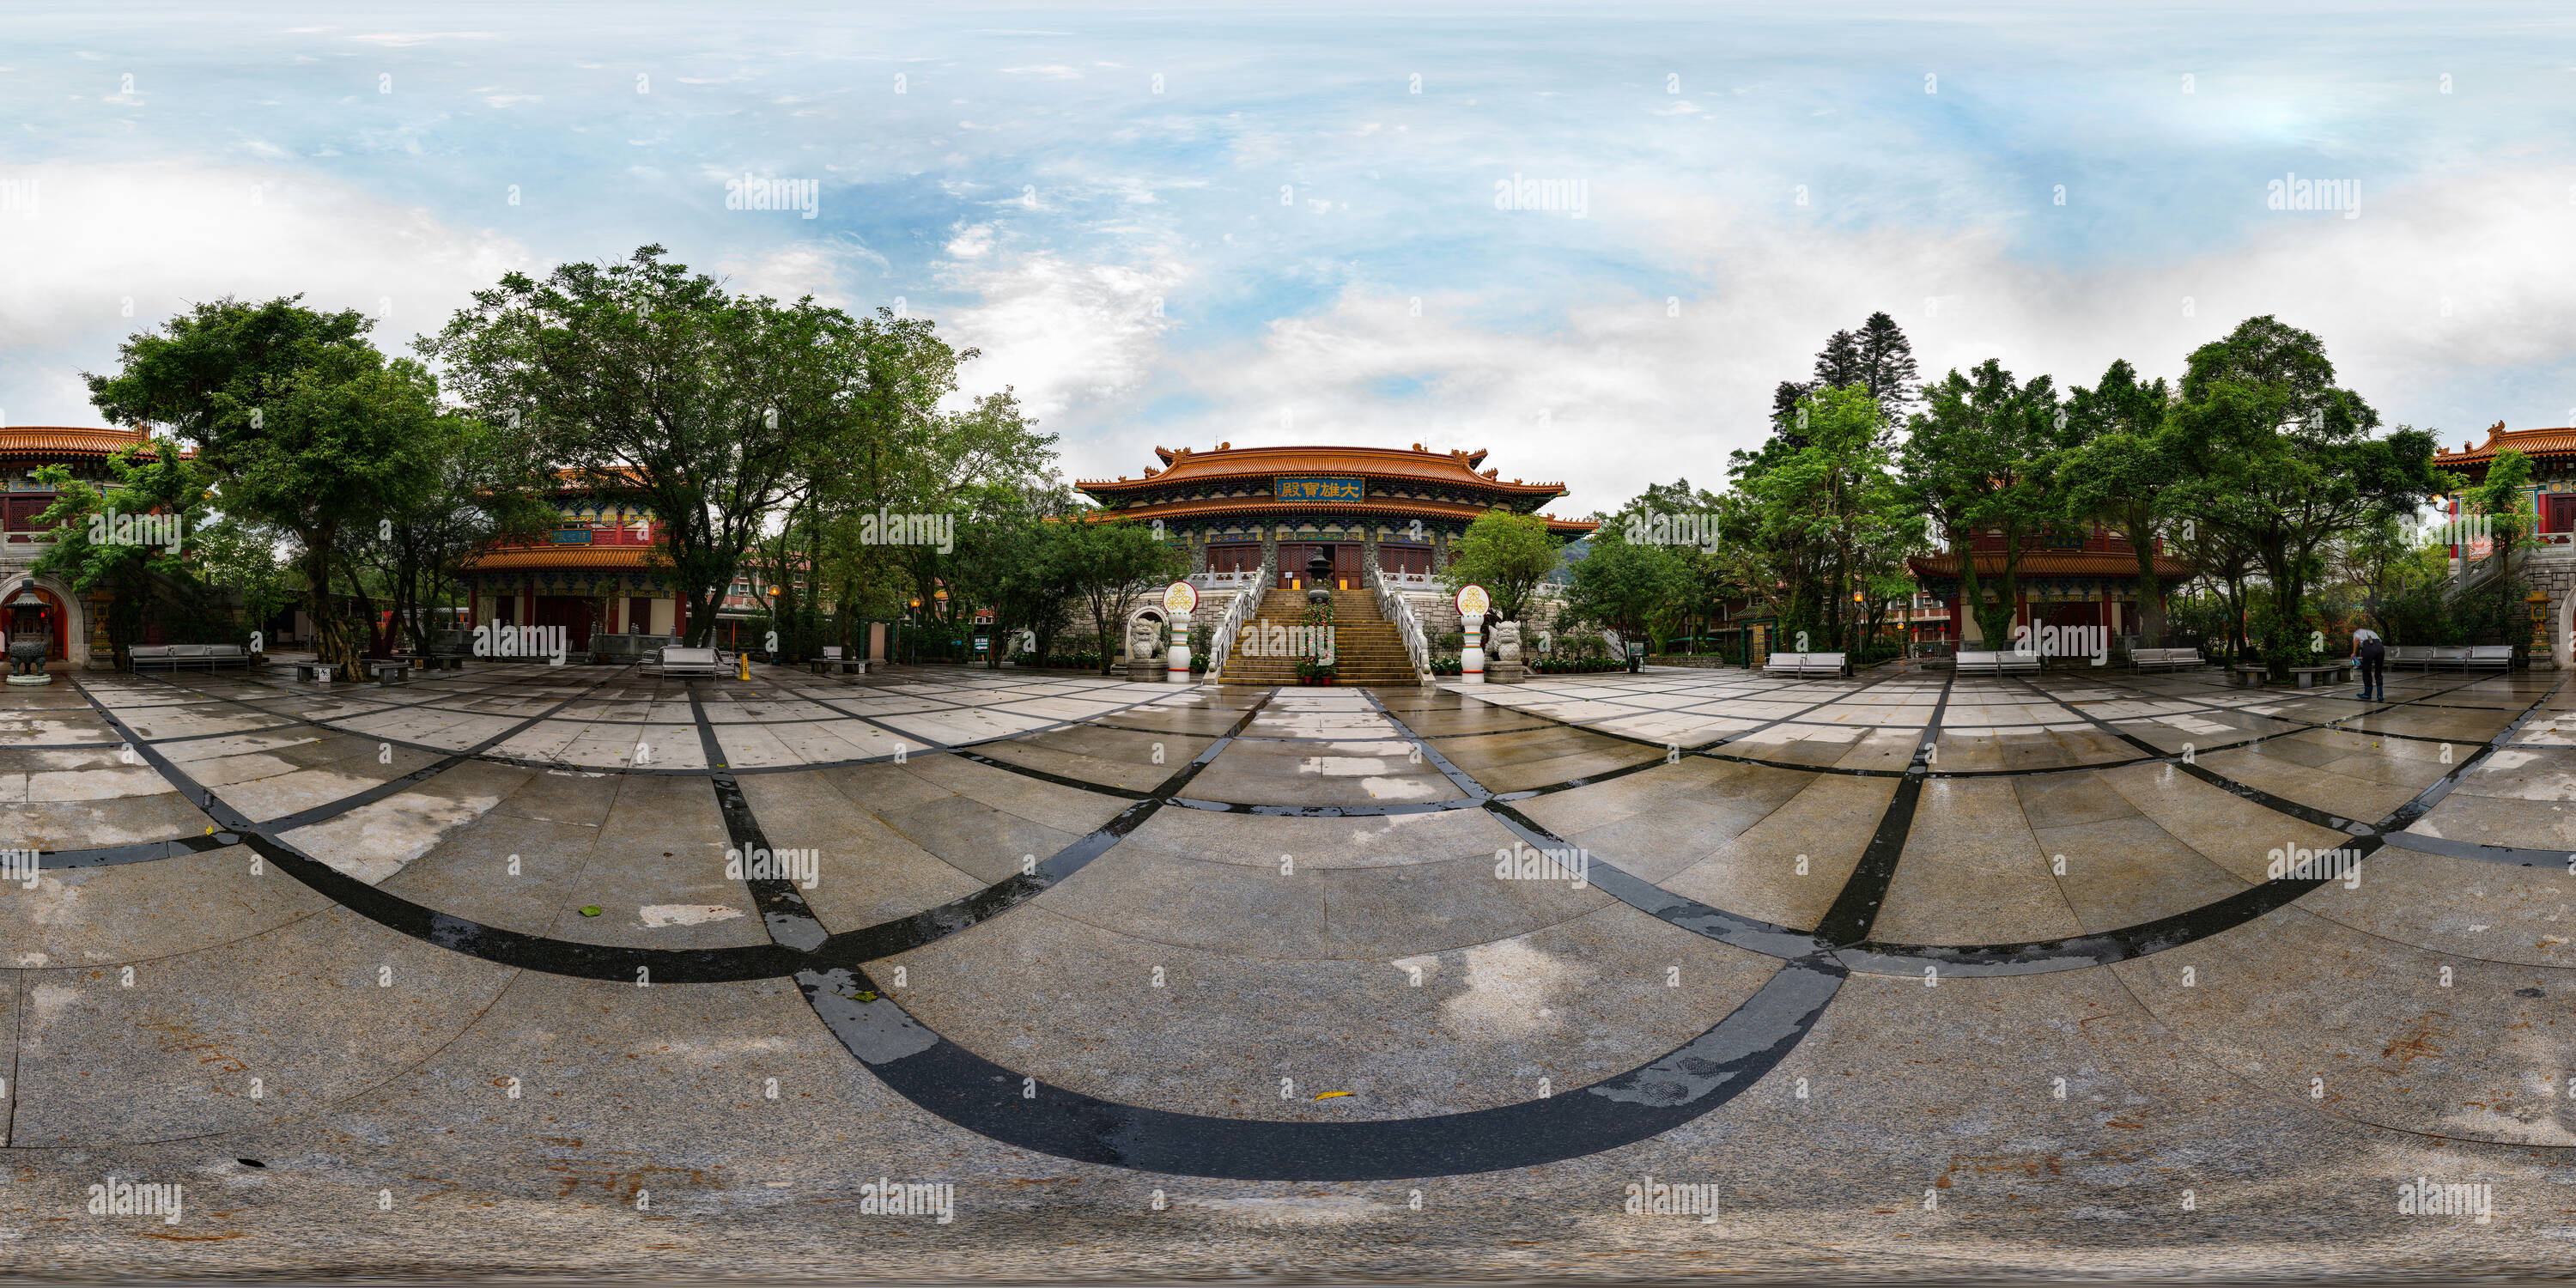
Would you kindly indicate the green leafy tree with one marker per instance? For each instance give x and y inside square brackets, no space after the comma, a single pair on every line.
[2286,462]
[1506,552]
[306,426]
[1628,587]
[477,484]
[1981,459]
[148,581]
[1107,565]
[2118,474]
[711,407]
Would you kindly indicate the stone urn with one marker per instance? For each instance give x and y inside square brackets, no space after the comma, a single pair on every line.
[27,662]
[1319,578]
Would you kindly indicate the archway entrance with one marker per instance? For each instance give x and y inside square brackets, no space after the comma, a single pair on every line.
[35,610]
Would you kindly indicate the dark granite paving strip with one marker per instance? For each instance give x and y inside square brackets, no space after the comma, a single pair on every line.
[459,934]
[17,1042]
[481,751]
[1706,749]
[986,1098]
[143,852]
[1856,908]
[2341,726]
[2199,923]
[790,921]
[1663,905]
[1457,777]
[1615,881]
[1478,733]
[2507,854]
[903,934]
[1043,776]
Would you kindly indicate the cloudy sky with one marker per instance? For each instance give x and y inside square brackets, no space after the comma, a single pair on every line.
[1267,223]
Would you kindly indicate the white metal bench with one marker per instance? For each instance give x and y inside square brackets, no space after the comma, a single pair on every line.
[2415,655]
[2488,657]
[2163,659]
[1998,663]
[1803,664]
[174,656]
[687,662]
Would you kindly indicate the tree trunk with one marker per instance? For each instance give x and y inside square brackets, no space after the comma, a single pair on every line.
[331,643]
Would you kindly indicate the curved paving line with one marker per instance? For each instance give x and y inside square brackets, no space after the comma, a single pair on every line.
[986,1098]
[2515,855]
[2077,952]
[1858,901]
[480,752]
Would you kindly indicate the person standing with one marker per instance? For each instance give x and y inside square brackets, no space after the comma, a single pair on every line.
[2366,646]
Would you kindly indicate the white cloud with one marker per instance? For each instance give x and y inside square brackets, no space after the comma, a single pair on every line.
[1060,331]
[168,236]
[404,39]
[1612,393]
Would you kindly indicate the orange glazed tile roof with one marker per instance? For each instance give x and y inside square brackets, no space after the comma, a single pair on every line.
[2529,442]
[62,440]
[2048,563]
[1400,508]
[1456,466]
[560,557]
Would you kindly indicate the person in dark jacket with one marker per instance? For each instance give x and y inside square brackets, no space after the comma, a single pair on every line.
[2366,645]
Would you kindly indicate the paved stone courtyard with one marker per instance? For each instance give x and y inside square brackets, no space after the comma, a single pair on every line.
[579,970]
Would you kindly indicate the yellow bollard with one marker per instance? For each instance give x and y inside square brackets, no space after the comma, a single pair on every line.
[742,666]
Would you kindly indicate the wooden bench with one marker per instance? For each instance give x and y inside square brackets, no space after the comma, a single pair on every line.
[2164,659]
[1985,663]
[1801,664]
[686,662]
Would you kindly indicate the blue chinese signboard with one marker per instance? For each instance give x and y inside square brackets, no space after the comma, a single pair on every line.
[1290,488]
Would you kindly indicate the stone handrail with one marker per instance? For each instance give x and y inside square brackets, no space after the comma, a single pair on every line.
[1393,606]
[1221,644]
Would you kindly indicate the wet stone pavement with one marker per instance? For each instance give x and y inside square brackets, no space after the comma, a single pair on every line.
[579,970]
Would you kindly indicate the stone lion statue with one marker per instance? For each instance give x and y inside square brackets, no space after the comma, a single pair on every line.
[1145,638]
[1507,641]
